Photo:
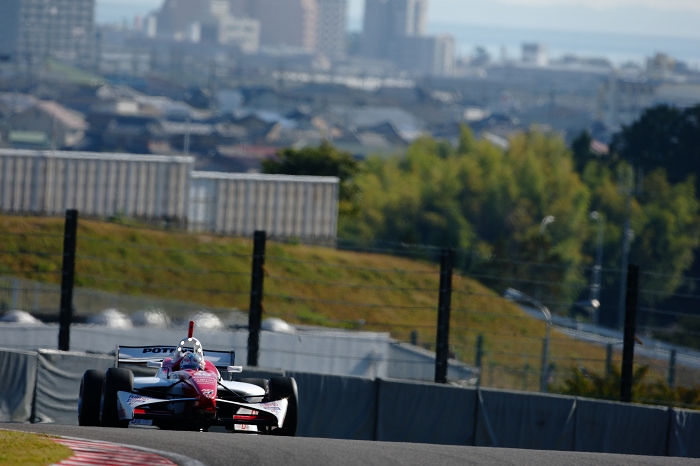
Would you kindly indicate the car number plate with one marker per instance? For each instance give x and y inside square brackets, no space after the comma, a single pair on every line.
[141,422]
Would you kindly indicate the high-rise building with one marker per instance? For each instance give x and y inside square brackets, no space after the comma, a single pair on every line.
[428,55]
[207,21]
[395,30]
[291,23]
[410,17]
[31,30]
[330,39]
[386,22]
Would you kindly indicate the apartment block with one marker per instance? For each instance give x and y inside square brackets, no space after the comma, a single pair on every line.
[331,26]
[32,30]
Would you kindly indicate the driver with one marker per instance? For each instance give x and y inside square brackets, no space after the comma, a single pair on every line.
[192,361]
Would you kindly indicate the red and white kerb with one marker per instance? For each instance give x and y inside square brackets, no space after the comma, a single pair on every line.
[108,454]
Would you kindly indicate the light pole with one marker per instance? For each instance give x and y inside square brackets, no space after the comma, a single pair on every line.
[595,279]
[546,221]
[540,256]
[520,297]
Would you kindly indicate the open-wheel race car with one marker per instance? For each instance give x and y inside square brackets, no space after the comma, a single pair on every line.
[187,393]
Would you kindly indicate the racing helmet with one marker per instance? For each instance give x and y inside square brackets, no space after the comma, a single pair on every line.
[192,361]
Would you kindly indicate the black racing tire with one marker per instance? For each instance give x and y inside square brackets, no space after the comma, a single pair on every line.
[286,387]
[89,397]
[116,380]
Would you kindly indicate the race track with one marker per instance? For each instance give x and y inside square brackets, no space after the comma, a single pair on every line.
[219,449]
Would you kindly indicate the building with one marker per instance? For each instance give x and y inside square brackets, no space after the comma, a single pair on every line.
[46,123]
[243,32]
[174,18]
[535,54]
[207,21]
[395,30]
[330,40]
[32,30]
[622,100]
[286,23]
[388,21]
[430,56]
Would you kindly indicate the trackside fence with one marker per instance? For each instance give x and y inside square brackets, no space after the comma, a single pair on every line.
[43,387]
[388,310]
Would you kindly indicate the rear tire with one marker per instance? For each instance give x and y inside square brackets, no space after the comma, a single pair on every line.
[90,397]
[286,387]
[116,380]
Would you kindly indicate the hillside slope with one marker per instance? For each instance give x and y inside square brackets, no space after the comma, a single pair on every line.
[303,285]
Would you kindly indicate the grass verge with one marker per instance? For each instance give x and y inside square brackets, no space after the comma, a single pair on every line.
[27,449]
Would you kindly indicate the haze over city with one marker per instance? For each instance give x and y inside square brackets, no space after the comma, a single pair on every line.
[621,30]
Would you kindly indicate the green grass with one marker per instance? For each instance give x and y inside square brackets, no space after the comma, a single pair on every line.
[303,285]
[26,449]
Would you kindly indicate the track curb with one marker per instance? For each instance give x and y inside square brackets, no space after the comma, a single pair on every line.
[101,453]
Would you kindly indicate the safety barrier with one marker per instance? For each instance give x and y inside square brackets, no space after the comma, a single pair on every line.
[43,387]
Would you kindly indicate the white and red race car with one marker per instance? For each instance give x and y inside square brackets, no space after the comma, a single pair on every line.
[187,393]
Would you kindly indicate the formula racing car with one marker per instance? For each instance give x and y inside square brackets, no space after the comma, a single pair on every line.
[187,393]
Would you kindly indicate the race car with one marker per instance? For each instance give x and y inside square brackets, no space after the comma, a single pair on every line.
[187,393]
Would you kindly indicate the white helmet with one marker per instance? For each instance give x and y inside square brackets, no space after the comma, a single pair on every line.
[192,361]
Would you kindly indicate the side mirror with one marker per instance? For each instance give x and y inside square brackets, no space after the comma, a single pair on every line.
[234,369]
[157,364]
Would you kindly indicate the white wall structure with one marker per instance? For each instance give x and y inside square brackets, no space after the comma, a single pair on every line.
[282,205]
[158,187]
[48,182]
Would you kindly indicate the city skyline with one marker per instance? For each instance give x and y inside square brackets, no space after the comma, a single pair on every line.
[671,18]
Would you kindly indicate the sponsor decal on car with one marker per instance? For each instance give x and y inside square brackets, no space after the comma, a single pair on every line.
[134,400]
[271,406]
[208,393]
[157,350]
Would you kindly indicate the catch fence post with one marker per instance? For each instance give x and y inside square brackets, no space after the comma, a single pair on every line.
[630,330]
[70,233]
[672,369]
[479,356]
[256,295]
[442,347]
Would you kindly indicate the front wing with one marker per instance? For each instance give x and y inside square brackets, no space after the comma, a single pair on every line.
[132,406]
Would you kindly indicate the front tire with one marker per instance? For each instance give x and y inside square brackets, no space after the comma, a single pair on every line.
[116,380]
[286,387]
[90,397]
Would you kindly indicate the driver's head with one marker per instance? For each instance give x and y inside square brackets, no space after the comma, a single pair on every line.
[192,361]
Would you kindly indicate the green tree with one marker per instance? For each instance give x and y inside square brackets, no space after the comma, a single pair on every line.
[663,137]
[324,160]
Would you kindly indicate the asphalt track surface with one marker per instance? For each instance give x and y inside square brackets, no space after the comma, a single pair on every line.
[220,449]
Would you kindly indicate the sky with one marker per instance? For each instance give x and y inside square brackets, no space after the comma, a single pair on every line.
[673,18]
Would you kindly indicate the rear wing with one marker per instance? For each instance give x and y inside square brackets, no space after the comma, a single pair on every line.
[145,354]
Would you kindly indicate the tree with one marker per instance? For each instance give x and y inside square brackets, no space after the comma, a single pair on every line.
[324,160]
[663,137]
